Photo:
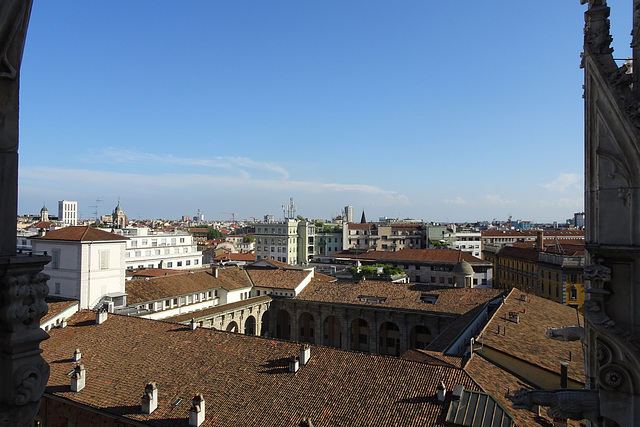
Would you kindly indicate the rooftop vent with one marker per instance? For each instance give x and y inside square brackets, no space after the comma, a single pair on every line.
[514,316]
[196,412]
[367,298]
[150,398]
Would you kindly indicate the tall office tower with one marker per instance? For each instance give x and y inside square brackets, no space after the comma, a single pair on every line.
[348,213]
[68,212]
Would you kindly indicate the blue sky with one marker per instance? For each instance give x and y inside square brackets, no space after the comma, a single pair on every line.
[442,111]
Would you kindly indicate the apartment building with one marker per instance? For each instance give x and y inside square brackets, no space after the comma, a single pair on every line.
[148,248]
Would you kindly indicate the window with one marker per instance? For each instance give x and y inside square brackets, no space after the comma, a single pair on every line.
[196,262]
[57,288]
[138,253]
[147,253]
[429,298]
[182,240]
[145,242]
[104,260]
[55,259]
[573,293]
[179,263]
[157,252]
[187,262]
[366,298]
[169,264]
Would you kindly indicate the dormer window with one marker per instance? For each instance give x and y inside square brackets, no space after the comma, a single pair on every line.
[371,299]
[429,298]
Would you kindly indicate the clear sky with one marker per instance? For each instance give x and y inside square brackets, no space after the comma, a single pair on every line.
[442,111]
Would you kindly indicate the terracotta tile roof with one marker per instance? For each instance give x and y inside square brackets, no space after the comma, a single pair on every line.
[236,257]
[272,262]
[279,279]
[358,226]
[81,233]
[499,382]
[217,309]
[167,286]
[243,379]
[56,306]
[399,295]
[198,230]
[42,224]
[155,272]
[527,339]
[432,358]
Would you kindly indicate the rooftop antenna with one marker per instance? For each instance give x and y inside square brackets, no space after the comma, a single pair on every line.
[95,211]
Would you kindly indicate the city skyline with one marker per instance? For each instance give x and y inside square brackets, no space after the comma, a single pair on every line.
[434,112]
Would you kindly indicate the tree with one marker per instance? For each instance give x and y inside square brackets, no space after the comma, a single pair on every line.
[213,233]
[248,239]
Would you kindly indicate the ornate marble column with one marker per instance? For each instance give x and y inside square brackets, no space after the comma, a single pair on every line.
[23,371]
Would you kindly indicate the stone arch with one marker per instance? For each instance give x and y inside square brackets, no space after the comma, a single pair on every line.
[360,335]
[264,324]
[232,327]
[332,329]
[306,323]
[250,326]
[420,337]
[283,325]
[389,342]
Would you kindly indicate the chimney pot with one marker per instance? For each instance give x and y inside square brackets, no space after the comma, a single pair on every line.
[196,412]
[77,355]
[150,398]
[78,378]
[193,325]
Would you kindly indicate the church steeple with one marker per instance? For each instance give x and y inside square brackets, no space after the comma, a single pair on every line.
[44,213]
[363,220]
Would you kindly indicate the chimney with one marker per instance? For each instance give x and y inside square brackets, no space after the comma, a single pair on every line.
[77,378]
[305,354]
[564,374]
[101,315]
[63,324]
[150,398]
[457,392]
[196,412]
[77,355]
[539,240]
[193,325]
[294,365]
[214,271]
[442,392]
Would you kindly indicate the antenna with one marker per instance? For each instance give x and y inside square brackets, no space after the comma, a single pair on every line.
[95,210]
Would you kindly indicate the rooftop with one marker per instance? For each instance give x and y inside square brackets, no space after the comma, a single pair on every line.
[80,233]
[244,379]
[413,255]
[142,290]
[399,295]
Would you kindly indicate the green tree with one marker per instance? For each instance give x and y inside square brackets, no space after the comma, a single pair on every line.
[213,233]
[248,239]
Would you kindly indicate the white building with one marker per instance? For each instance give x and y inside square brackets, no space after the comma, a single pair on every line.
[469,242]
[68,212]
[148,248]
[278,241]
[347,214]
[86,264]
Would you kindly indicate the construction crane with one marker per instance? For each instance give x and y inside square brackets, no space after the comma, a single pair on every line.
[233,216]
[254,218]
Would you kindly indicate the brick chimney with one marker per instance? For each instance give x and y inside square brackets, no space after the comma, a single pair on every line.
[77,378]
[150,398]
[305,354]
[539,240]
[101,315]
[77,355]
[196,412]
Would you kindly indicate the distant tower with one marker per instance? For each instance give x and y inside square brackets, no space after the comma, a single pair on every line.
[363,220]
[68,212]
[348,214]
[44,213]
[118,217]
